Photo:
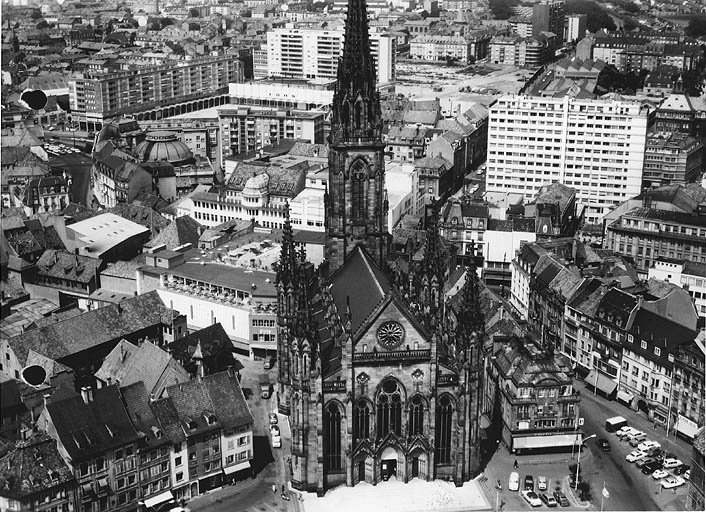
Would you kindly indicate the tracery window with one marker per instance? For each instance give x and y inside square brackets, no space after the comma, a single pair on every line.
[332,436]
[389,409]
[361,419]
[444,417]
[416,416]
[359,181]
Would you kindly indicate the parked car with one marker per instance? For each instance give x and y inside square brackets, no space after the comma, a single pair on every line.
[529,483]
[269,363]
[635,455]
[648,445]
[274,430]
[276,441]
[549,501]
[651,467]
[637,438]
[604,444]
[644,461]
[514,483]
[273,418]
[671,463]
[672,481]
[531,498]
[542,483]
[660,474]
[624,432]
[680,470]
[687,474]
[561,499]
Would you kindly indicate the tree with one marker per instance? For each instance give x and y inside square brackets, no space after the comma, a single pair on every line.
[696,26]
[584,489]
[193,12]
[502,9]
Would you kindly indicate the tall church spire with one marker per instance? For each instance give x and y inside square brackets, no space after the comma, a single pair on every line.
[356,103]
[356,205]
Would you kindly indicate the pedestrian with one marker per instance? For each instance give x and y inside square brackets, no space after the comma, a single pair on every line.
[515,465]
[655,426]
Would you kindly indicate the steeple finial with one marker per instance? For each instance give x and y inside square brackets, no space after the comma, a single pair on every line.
[288,255]
[433,258]
[471,316]
[356,103]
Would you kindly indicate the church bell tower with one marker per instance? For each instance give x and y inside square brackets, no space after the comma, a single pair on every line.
[356,201]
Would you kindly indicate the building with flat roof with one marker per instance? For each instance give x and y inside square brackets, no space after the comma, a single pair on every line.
[645,234]
[595,146]
[107,236]
[673,157]
[97,96]
[689,275]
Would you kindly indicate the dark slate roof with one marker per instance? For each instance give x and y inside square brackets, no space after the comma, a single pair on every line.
[360,282]
[216,348]
[104,423]
[72,267]
[525,367]
[142,215]
[216,395]
[182,230]
[32,467]
[168,418]
[693,268]
[137,403]
[668,216]
[660,331]
[70,336]
[47,237]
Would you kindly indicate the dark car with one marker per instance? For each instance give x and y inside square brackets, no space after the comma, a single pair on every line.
[561,498]
[680,470]
[651,467]
[644,461]
[529,483]
[605,445]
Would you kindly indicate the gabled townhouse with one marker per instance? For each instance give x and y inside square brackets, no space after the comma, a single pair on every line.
[145,362]
[101,448]
[154,448]
[34,476]
[217,425]
[687,392]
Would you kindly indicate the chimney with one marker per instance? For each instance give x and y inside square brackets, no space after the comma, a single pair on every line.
[152,397]
[84,394]
[90,393]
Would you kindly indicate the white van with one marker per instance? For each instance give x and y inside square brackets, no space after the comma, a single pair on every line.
[514,484]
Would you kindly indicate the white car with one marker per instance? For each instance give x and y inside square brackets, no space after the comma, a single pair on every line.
[625,434]
[276,442]
[648,445]
[671,463]
[660,474]
[514,483]
[531,498]
[672,481]
[542,483]
[623,430]
[687,474]
[635,455]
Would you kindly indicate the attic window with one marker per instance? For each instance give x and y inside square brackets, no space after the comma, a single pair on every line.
[192,424]
[211,419]
[53,475]
[157,433]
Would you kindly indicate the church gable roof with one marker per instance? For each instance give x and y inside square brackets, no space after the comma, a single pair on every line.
[360,283]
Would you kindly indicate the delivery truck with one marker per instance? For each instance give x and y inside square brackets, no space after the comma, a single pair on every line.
[613,424]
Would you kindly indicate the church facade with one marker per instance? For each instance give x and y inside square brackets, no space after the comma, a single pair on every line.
[380,365]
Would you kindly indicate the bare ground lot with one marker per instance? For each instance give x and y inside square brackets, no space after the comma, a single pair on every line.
[424,80]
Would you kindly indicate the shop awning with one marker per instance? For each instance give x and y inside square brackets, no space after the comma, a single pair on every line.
[625,396]
[159,498]
[686,426]
[520,443]
[238,467]
[602,382]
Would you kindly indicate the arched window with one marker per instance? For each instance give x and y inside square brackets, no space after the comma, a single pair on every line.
[416,416]
[444,416]
[361,420]
[359,181]
[389,409]
[332,436]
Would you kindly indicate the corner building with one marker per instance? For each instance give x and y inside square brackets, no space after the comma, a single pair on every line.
[379,370]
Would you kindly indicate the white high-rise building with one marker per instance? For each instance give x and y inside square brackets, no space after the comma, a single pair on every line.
[575,27]
[596,146]
[311,53]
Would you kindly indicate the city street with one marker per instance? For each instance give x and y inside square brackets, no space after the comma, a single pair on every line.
[79,166]
[268,464]
[629,488]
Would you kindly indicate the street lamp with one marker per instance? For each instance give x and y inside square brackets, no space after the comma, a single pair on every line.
[578,461]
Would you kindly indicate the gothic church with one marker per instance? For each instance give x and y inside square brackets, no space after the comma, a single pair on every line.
[380,369]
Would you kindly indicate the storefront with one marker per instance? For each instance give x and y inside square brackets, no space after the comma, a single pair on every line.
[237,472]
[600,382]
[686,428]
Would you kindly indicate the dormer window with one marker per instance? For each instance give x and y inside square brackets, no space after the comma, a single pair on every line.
[191,424]
[211,419]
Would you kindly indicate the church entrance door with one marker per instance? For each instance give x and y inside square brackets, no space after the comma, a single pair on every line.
[415,467]
[361,471]
[388,468]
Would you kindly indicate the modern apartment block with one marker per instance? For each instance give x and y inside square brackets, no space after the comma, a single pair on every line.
[548,16]
[672,158]
[575,27]
[595,146]
[197,83]
[313,53]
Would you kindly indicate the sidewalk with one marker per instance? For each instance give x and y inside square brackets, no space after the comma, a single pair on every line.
[206,501]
